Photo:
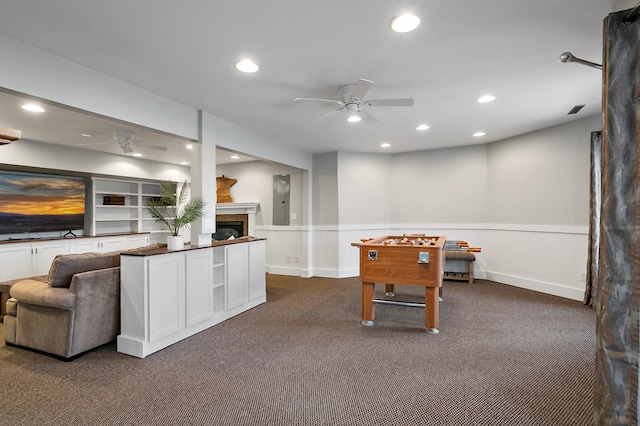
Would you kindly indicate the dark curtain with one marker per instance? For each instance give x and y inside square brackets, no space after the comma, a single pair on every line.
[595,204]
[618,298]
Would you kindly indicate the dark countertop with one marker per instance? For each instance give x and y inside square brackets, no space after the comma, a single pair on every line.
[163,250]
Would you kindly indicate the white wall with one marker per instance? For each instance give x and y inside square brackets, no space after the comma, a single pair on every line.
[539,209]
[446,186]
[286,252]
[542,178]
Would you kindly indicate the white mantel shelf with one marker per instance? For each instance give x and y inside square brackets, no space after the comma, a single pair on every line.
[237,208]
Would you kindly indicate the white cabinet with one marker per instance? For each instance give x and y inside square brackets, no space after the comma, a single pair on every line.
[44,252]
[28,259]
[84,245]
[199,286]
[237,275]
[257,270]
[246,279]
[170,296]
[22,260]
[167,294]
[15,261]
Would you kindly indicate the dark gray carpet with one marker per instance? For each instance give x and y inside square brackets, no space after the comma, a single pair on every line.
[504,356]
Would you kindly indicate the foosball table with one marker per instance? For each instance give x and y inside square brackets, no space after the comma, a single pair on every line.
[415,260]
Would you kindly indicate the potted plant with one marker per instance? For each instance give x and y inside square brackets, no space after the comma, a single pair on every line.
[172,209]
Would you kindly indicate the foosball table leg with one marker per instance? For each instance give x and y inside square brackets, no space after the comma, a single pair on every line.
[367,303]
[389,290]
[431,309]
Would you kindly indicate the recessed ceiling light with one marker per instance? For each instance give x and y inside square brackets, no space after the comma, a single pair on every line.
[86,135]
[33,108]
[234,157]
[385,145]
[247,66]
[189,146]
[184,163]
[137,154]
[405,23]
[422,127]
[478,134]
[354,118]
[486,98]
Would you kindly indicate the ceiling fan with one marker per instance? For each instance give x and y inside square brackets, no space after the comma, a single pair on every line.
[352,100]
[126,140]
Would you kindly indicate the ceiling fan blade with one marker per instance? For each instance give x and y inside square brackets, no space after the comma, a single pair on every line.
[361,88]
[94,143]
[367,117]
[333,101]
[389,102]
[330,113]
[144,145]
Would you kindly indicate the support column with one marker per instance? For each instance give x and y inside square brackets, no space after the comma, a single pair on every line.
[203,178]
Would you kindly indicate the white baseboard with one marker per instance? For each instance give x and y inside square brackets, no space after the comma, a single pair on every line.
[279,270]
[540,286]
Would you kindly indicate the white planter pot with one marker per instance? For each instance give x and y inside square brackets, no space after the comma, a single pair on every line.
[175,243]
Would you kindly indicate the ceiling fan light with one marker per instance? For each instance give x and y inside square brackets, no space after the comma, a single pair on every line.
[422,127]
[385,145]
[405,23]
[354,118]
[478,134]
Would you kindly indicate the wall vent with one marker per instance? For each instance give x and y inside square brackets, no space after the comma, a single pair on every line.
[575,109]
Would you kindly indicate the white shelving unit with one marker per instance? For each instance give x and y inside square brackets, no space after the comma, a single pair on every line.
[130,217]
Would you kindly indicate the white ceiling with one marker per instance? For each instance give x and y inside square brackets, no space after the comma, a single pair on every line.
[186,51]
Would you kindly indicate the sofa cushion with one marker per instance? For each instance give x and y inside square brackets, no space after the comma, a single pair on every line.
[41,294]
[64,266]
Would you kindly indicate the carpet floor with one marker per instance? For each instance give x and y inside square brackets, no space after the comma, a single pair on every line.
[504,356]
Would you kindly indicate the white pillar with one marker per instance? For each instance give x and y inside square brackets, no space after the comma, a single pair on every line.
[203,178]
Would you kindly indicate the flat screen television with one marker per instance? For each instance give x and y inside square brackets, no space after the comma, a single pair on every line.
[34,202]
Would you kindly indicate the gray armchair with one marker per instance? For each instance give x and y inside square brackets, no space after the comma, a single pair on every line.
[76,309]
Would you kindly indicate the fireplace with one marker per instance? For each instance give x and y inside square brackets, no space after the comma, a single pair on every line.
[235,219]
[228,225]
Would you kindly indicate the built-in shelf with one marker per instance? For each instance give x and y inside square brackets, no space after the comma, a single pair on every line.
[127,213]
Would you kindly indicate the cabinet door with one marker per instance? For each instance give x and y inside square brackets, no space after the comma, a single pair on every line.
[257,270]
[166,295]
[15,261]
[199,286]
[135,241]
[237,263]
[43,254]
[108,244]
[84,245]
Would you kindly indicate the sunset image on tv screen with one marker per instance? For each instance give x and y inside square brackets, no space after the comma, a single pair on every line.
[38,203]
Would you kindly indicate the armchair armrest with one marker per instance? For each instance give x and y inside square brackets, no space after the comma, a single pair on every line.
[41,294]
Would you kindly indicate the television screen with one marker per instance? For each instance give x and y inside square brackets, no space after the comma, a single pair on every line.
[32,202]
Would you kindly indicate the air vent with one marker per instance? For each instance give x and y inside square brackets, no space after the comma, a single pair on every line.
[575,109]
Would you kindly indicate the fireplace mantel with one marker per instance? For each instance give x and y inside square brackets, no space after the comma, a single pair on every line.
[235,209]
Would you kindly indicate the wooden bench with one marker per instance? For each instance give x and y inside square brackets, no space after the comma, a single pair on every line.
[459,255]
